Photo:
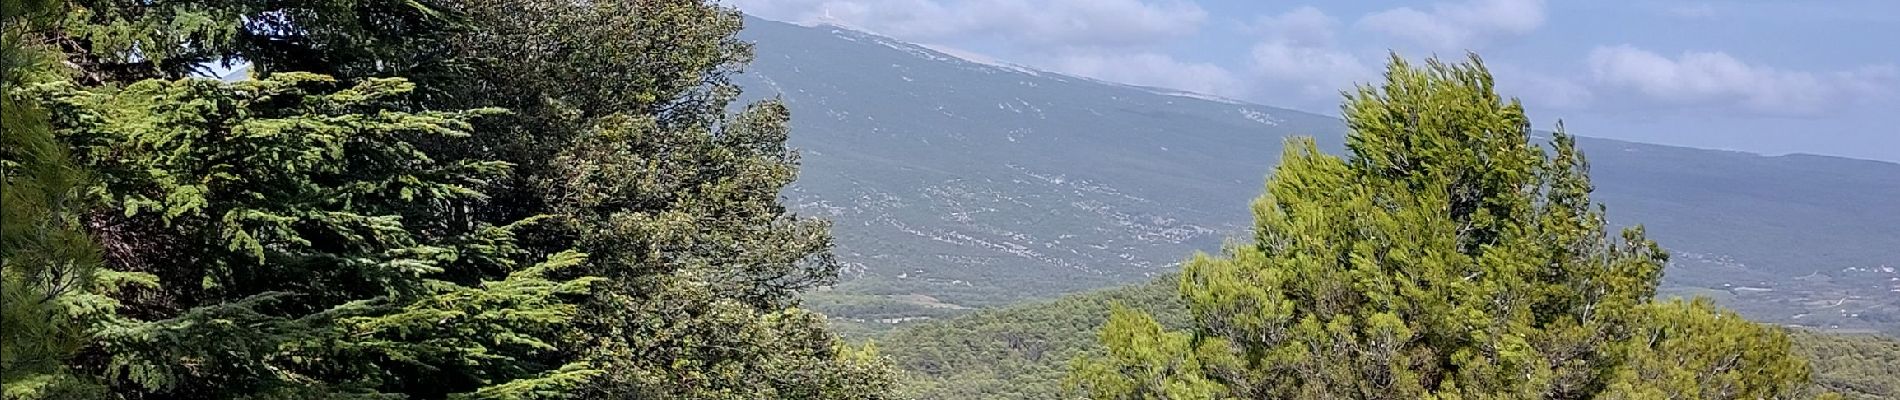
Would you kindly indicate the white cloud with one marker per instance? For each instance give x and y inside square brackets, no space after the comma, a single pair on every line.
[1542,91]
[1297,63]
[1305,26]
[1046,24]
[1460,25]
[1692,11]
[1314,73]
[1716,79]
[1152,69]
[1103,39]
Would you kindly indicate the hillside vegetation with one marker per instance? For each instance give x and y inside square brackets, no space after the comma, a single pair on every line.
[1025,351]
[1859,366]
[980,185]
[1447,255]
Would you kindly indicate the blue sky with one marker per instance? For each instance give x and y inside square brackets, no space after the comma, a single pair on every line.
[1765,76]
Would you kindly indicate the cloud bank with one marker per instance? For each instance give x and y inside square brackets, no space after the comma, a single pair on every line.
[1040,25]
[1717,80]
[1296,57]
[1461,25]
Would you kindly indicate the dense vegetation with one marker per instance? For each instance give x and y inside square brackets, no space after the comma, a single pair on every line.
[1016,352]
[1025,351]
[1857,366]
[407,199]
[1447,256]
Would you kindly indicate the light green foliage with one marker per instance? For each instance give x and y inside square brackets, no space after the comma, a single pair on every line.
[1022,351]
[1448,257]
[49,267]
[1692,350]
[304,243]
[1145,361]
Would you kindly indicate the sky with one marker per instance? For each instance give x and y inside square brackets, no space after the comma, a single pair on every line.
[1763,76]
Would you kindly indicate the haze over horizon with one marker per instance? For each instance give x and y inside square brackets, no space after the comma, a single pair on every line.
[1675,73]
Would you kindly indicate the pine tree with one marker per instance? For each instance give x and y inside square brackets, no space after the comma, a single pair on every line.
[1692,350]
[1449,256]
[50,277]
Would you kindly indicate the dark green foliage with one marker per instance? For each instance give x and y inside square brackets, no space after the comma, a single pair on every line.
[694,236]
[1446,257]
[546,199]
[1859,367]
[288,237]
[674,198]
[302,242]
[668,59]
[125,41]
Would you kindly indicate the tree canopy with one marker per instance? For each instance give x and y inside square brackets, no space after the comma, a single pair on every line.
[1453,253]
[407,199]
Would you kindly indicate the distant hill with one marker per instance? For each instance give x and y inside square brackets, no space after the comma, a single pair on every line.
[957,184]
[1024,351]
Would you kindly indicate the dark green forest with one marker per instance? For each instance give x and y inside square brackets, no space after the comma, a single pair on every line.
[543,199]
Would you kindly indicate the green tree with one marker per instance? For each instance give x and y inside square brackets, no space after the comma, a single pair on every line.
[50,277]
[301,235]
[674,196]
[363,235]
[125,41]
[1692,350]
[1449,256]
[304,245]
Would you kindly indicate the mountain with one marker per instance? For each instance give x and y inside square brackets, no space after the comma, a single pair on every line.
[1024,351]
[956,184]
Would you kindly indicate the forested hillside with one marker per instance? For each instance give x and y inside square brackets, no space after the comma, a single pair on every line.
[1859,366]
[1447,254]
[1025,351]
[964,184]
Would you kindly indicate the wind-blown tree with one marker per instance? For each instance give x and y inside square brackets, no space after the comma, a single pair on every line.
[1449,255]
